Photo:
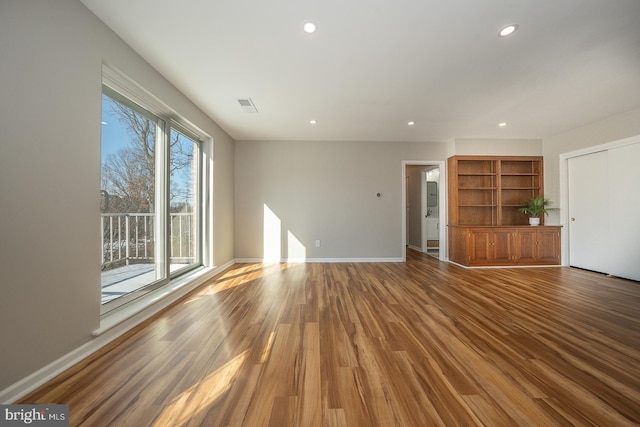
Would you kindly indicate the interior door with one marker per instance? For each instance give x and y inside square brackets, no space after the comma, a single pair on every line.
[589,212]
[624,202]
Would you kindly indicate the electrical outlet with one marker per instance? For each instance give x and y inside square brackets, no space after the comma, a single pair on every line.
[317,243]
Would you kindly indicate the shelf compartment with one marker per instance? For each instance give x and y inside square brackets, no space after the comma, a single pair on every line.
[478,174]
[477,181]
[517,197]
[512,216]
[519,181]
[476,167]
[477,215]
[520,188]
[520,166]
[477,198]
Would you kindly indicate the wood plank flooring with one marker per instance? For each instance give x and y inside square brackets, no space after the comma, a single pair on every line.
[381,344]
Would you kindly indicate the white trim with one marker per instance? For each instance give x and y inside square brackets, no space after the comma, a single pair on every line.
[109,332]
[423,211]
[130,89]
[207,202]
[602,147]
[442,205]
[564,185]
[122,84]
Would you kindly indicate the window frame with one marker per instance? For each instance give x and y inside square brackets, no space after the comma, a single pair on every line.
[197,203]
[134,96]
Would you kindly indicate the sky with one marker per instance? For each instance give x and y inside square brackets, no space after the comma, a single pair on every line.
[116,137]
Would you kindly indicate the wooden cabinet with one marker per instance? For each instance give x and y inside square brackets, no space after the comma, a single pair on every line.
[485,225]
[519,245]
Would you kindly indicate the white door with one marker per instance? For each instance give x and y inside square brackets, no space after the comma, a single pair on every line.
[589,212]
[624,202]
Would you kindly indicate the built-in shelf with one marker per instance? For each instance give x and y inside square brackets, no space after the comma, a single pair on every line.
[487,191]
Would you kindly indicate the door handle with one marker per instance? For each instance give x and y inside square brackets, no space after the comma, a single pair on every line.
[573,219]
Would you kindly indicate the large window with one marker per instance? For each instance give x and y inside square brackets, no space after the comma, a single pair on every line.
[150,192]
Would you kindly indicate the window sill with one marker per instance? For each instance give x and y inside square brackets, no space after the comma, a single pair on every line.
[154,301]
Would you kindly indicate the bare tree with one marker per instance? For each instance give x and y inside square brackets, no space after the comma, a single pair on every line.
[129,175]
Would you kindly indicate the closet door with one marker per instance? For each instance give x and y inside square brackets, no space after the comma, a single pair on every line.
[589,212]
[624,202]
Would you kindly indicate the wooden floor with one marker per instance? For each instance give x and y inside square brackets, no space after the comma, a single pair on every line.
[380,344]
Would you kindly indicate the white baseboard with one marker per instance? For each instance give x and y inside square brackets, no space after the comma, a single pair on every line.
[120,324]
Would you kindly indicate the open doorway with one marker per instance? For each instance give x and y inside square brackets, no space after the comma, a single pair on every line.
[423,206]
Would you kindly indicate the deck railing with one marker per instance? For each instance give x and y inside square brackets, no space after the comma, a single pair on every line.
[129,238]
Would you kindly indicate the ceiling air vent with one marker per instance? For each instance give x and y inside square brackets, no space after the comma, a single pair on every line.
[247,105]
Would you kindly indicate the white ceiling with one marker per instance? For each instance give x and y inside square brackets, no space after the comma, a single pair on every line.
[373,65]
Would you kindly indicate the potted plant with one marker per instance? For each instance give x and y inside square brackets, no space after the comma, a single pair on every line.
[535,207]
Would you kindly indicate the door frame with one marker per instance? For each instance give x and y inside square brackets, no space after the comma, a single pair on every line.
[564,185]
[442,205]
[423,211]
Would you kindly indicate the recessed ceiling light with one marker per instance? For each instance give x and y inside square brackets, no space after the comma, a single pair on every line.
[411,123]
[313,122]
[309,27]
[508,30]
[503,124]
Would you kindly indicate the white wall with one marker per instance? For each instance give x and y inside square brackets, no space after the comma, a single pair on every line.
[325,191]
[601,132]
[52,53]
[496,147]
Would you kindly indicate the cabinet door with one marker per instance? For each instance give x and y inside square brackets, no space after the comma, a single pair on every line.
[433,231]
[502,247]
[526,246]
[548,246]
[479,247]
[490,246]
